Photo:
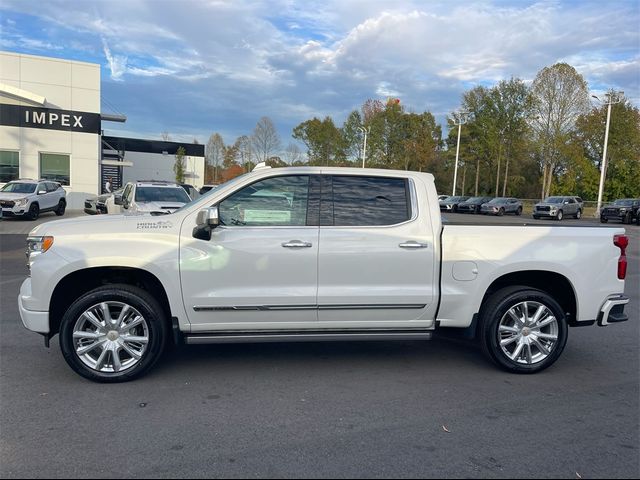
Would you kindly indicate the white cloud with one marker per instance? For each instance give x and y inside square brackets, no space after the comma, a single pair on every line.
[117,63]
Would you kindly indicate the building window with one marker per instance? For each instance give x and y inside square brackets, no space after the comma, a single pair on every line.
[9,166]
[55,166]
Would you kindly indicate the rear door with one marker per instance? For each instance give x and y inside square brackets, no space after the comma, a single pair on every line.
[376,265]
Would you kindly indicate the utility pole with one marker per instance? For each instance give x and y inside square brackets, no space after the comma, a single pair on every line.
[365,132]
[613,98]
[460,120]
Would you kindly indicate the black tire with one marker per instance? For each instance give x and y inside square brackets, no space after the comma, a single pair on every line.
[627,219]
[578,214]
[559,216]
[536,217]
[62,205]
[497,306]
[501,212]
[34,212]
[149,308]
[519,211]
[638,218]
[603,220]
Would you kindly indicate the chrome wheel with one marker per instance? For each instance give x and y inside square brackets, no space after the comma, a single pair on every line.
[528,333]
[110,337]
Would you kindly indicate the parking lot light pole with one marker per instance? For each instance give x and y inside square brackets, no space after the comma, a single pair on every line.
[613,97]
[365,132]
[461,119]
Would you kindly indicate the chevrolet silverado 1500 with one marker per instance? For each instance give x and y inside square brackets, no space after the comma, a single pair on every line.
[312,254]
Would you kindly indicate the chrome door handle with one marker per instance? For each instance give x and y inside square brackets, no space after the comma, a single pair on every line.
[413,245]
[296,244]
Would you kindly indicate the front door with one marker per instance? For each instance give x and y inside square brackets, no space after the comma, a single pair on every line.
[259,270]
[377,263]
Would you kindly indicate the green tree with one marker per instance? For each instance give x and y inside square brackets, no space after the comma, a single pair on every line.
[560,96]
[179,167]
[324,142]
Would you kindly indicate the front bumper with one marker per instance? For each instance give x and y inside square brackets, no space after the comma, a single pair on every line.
[612,310]
[13,212]
[545,213]
[32,320]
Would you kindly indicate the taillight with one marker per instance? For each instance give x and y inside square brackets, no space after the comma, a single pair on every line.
[622,242]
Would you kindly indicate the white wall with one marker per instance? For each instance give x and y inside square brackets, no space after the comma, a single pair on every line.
[154,166]
[66,85]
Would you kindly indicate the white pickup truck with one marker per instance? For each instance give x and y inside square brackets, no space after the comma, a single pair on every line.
[312,254]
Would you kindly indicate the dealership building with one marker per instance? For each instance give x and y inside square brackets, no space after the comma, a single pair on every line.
[51,127]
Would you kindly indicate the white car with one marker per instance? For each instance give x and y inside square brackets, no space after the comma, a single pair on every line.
[29,198]
[148,197]
[315,254]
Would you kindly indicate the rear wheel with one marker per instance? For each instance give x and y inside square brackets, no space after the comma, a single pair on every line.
[114,333]
[34,211]
[62,205]
[603,220]
[519,211]
[536,217]
[523,330]
[578,214]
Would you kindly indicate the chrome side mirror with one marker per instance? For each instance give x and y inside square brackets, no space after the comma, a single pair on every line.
[208,217]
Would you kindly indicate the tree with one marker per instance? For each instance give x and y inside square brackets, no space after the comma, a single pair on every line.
[245,151]
[560,96]
[323,140]
[293,155]
[214,157]
[265,140]
[179,165]
[165,136]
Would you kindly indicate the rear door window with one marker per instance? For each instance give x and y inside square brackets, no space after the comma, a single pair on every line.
[353,201]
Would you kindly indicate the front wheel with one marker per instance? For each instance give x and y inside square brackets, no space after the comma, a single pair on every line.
[114,333]
[34,212]
[501,212]
[523,330]
[560,216]
[603,220]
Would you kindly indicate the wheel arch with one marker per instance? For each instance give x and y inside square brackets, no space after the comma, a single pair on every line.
[82,281]
[555,284]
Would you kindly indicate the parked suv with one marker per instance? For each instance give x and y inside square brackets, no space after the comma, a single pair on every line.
[624,210]
[151,197]
[450,204]
[473,205]
[501,205]
[29,198]
[558,208]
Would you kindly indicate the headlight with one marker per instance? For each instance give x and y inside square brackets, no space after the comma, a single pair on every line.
[623,210]
[22,202]
[37,246]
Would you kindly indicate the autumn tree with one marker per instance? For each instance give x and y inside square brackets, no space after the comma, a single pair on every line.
[214,157]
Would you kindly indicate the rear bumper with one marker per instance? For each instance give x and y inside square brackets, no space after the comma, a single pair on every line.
[612,310]
[32,320]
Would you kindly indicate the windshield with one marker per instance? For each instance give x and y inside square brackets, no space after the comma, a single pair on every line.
[475,199]
[19,188]
[498,200]
[454,199]
[554,200]
[623,203]
[161,194]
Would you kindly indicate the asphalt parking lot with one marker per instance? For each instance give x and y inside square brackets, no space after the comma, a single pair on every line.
[388,409]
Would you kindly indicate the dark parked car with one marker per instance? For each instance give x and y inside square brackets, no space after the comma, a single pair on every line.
[473,205]
[624,210]
[450,204]
[96,206]
[501,205]
[558,208]
[191,191]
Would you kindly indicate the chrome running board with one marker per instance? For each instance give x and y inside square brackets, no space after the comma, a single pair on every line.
[310,336]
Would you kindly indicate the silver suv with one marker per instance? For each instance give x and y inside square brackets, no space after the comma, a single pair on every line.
[29,198]
[558,208]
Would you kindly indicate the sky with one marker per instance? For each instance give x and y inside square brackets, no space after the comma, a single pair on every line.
[192,68]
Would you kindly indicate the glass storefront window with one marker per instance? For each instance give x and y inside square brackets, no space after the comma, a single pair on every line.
[55,166]
[9,166]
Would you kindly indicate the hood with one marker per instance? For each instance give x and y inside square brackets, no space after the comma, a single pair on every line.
[13,196]
[109,224]
[159,206]
[545,204]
